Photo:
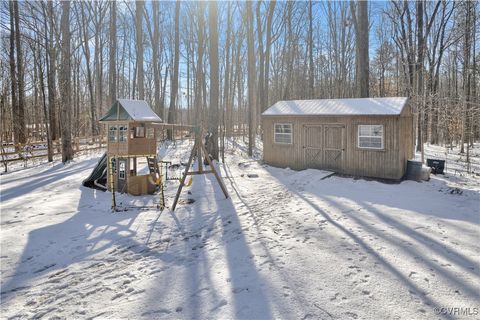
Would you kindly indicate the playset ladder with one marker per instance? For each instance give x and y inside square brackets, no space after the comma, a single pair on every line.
[153,167]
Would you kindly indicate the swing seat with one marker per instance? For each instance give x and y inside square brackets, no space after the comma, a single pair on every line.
[154,181]
[186,184]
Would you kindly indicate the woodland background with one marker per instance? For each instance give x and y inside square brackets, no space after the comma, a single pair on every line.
[220,64]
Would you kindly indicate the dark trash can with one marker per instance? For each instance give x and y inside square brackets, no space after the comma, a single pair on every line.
[414,170]
[437,165]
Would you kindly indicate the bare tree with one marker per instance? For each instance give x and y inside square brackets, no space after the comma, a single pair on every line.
[13,74]
[271,9]
[251,78]
[199,78]
[156,57]
[86,51]
[311,67]
[52,71]
[419,73]
[214,81]
[360,21]
[467,47]
[174,86]
[139,48]
[18,68]
[112,78]
[65,74]
[271,50]
[261,60]
[227,106]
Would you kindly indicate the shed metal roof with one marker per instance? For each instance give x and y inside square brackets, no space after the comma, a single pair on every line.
[356,106]
[135,110]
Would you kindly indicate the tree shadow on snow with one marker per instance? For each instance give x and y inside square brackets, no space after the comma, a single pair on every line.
[30,185]
[212,230]
[337,197]
[92,229]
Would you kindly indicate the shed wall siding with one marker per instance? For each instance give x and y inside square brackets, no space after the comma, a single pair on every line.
[406,136]
[387,163]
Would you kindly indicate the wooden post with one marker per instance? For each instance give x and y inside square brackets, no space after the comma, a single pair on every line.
[214,171]
[182,181]
[112,184]
[197,149]
[198,140]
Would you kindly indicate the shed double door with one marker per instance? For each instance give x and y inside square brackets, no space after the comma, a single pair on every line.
[324,146]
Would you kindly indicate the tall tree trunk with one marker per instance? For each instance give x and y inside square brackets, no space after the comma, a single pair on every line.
[90,84]
[46,115]
[227,107]
[419,70]
[38,63]
[97,16]
[311,80]
[22,138]
[51,73]
[467,44]
[271,10]
[199,66]
[112,79]
[239,83]
[475,125]
[164,90]
[155,56]
[13,75]
[214,80]
[289,47]
[174,86]
[67,151]
[360,20]
[139,48]
[261,63]
[251,78]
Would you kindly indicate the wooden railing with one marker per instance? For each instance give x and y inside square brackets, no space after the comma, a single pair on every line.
[38,149]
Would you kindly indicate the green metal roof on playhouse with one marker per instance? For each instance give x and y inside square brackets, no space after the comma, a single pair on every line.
[131,110]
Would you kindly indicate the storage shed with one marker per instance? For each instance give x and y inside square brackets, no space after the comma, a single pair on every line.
[370,137]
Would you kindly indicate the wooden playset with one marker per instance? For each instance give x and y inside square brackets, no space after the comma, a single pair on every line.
[132,128]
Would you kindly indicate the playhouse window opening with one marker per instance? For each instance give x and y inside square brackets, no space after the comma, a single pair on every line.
[112,133]
[123,129]
[139,132]
[150,133]
[370,136]
[283,133]
[133,166]
[121,171]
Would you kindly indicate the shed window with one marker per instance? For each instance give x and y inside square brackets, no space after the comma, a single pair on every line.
[122,132]
[370,136]
[283,133]
[150,133]
[112,133]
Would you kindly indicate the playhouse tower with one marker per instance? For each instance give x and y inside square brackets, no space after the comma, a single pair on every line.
[131,135]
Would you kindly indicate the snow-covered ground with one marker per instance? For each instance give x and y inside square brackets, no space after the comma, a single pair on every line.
[286,244]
